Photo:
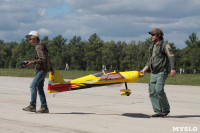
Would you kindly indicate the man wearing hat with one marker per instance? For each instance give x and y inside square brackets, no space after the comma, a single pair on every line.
[43,66]
[161,62]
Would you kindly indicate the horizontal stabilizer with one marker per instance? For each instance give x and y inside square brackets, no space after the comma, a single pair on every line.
[126,94]
[58,88]
[125,90]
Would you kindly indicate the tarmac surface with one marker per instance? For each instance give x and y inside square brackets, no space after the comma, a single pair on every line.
[97,110]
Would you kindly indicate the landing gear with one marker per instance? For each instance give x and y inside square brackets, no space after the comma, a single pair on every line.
[126,91]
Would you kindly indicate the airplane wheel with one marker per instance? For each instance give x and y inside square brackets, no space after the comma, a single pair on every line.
[128,94]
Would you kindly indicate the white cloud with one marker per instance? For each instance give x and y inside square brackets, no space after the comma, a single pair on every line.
[123,20]
[42,12]
[184,23]
[177,38]
[44,31]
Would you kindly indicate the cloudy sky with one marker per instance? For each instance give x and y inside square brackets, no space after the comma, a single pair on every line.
[118,20]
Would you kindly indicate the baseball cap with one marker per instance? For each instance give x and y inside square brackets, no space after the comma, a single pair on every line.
[32,33]
[156,31]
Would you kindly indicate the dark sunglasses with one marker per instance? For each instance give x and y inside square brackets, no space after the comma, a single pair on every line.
[153,34]
[30,39]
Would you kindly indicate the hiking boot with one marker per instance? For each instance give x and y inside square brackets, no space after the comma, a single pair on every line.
[30,108]
[157,115]
[43,110]
[165,113]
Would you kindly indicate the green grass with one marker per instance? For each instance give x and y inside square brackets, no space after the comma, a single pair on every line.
[17,72]
[179,79]
[74,74]
[31,73]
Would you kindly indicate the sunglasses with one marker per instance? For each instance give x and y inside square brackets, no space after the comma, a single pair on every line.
[153,34]
[30,39]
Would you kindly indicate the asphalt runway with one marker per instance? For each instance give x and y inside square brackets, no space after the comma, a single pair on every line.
[97,110]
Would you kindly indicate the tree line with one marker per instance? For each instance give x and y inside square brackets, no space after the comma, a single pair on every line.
[91,54]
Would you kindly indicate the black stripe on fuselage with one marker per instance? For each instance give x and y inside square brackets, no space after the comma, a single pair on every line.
[85,86]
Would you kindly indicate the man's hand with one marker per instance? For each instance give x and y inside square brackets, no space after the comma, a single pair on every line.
[142,73]
[30,63]
[173,73]
[144,70]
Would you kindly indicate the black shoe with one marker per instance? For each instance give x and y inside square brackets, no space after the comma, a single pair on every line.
[165,113]
[157,115]
[30,108]
[43,110]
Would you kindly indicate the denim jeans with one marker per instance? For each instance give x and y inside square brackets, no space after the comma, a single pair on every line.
[38,85]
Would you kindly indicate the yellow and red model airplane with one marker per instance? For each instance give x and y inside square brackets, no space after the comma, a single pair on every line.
[102,78]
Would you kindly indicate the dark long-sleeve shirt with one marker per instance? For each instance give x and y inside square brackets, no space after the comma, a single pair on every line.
[42,60]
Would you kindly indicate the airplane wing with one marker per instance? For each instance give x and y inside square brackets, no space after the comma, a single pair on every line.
[111,76]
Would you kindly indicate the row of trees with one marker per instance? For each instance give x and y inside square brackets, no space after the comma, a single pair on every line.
[93,53]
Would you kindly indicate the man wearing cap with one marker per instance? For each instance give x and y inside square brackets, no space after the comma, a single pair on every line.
[43,66]
[161,62]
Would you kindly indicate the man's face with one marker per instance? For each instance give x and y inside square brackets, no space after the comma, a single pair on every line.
[155,37]
[33,40]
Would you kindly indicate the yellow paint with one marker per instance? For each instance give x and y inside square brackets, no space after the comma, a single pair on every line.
[129,77]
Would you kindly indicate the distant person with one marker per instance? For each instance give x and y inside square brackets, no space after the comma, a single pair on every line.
[195,71]
[181,71]
[160,57]
[104,67]
[67,67]
[43,66]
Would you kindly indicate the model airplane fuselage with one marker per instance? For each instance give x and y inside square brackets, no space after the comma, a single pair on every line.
[57,83]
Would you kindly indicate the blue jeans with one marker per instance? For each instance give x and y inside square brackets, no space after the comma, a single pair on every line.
[38,85]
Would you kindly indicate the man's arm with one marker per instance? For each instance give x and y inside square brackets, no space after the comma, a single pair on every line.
[171,58]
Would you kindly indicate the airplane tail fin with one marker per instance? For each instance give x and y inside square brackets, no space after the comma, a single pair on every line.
[57,83]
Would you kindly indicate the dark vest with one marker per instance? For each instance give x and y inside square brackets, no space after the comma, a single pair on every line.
[160,60]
